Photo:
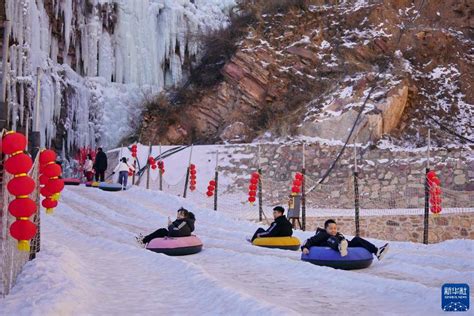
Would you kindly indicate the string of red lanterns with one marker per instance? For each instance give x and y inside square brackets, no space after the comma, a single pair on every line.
[297,183]
[22,207]
[161,166]
[435,192]
[192,177]
[211,188]
[253,187]
[50,179]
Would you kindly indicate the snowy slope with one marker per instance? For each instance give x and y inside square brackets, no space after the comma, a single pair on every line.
[89,264]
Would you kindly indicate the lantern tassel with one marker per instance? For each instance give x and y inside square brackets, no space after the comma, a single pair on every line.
[49,211]
[23,245]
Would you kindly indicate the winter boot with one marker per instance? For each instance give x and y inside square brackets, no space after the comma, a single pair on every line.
[343,247]
[382,251]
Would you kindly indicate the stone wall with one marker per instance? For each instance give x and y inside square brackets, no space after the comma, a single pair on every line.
[387,178]
[405,227]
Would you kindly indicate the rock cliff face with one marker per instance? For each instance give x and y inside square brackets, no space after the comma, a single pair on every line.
[308,71]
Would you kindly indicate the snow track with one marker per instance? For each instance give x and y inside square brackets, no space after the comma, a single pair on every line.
[90,264]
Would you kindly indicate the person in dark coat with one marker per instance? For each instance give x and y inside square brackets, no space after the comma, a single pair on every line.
[100,165]
[281,227]
[330,237]
[183,226]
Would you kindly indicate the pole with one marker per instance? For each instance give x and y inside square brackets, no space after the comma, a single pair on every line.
[187,172]
[134,167]
[260,195]
[356,192]
[216,178]
[303,200]
[427,194]
[4,109]
[161,172]
[148,168]
[303,192]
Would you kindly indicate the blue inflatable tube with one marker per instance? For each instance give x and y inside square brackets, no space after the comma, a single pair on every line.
[357,258]
[110,186]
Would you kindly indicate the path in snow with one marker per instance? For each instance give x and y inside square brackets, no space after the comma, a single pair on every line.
[90,264]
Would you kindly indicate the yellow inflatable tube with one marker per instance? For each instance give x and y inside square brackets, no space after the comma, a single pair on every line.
[290,243]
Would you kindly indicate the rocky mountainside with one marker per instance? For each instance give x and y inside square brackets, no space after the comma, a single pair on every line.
[319,69]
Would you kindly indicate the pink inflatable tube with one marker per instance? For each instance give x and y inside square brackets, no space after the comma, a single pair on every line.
[176,246]
[71,181]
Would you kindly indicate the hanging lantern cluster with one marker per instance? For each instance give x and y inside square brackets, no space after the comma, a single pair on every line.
[211,188]
[297,183]
[134,150]
[192,177]
[152,162]
[161,166]
[253,187]
[50,181]
[435,192]
[22,207]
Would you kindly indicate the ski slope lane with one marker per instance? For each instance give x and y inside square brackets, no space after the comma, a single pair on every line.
[90,264]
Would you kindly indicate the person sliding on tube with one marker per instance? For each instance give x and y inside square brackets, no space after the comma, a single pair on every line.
[330,237]
[281,227]
[183,226]
[123,168]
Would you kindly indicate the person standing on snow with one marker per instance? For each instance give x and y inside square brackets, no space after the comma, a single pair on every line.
[89,168]
[123,168]
[100,165]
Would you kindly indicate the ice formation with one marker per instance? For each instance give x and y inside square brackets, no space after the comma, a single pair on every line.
[98,60]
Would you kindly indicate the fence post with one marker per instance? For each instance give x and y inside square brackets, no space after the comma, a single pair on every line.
[260,195]
[356,192]
[427,195]
[216,179]
[148,168]
[160,172]
[187,173]
[303,192]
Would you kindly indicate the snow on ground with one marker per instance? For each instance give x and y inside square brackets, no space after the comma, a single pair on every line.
[90,264]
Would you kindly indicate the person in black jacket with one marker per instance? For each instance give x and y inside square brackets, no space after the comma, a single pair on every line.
[330,237]
[183,226]
[100,165]
[281,227]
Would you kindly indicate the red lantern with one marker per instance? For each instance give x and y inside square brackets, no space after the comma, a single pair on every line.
[209,193]
[192,188]
[252,187]
[151,160]
[13,142]
[52,170]
[22,207]
[252,193]
[153,167]
[295,189]
[193,171]
[44,192]
[49,203]
[436,191]
[192,166]
[296,183]
[210,188]
[20,163]
[254,181]
[134,154]
[47,156]
[193,182]
[431,175]
[43,179]
[436,209]
[161,164]
[212,182]
[299,176]
[19,186]
[252,199]
[55,185]
[436,181]
[23,231]
[255,175]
